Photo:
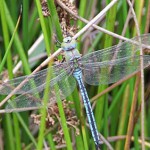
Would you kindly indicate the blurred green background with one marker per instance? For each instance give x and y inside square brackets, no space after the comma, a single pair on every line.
[112,110]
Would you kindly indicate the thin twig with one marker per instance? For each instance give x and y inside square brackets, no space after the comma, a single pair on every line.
[104,140]
[132,112]
[2,111]
[122,137]
[126,23]
[142,77]
[147,19]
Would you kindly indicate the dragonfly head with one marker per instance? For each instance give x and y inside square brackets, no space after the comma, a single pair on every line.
[68,44]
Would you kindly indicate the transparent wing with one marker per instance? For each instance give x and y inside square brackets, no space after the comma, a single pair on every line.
[32,81]
[65,85]
[111,71]
[122,50]
[32,92]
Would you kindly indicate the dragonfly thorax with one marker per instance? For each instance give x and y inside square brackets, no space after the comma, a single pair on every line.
[74,62]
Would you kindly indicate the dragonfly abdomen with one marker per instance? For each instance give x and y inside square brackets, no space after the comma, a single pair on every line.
[78,75]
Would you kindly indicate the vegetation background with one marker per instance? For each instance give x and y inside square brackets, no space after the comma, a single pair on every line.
[67,129]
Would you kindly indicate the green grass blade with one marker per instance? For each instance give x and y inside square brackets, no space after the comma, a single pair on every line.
[55,19]
[17,42]
[44,26]
[51,142]
[8,133]
[5,31]
[44,112]
[25,19]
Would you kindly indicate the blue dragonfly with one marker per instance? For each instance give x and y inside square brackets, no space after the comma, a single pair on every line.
[100,67]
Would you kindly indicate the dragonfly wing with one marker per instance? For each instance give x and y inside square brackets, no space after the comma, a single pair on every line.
[32,81]
[111,71]
[125,49]
[65,86]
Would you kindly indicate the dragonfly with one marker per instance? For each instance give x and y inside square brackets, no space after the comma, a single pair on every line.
[96,68]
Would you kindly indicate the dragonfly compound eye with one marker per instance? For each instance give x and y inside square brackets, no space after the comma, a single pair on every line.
[67,39]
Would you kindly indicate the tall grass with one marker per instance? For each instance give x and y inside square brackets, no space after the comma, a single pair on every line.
[112,110]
